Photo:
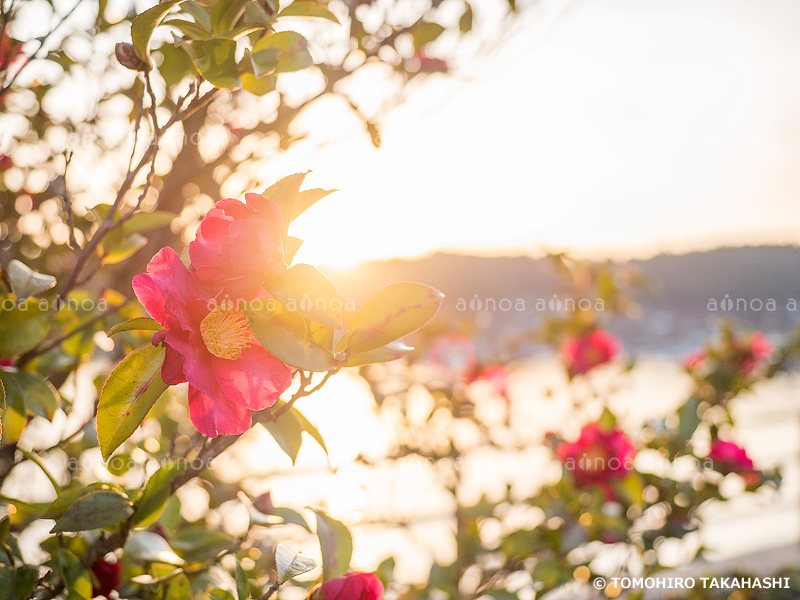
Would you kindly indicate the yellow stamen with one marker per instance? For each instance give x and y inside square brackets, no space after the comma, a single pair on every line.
[226,333]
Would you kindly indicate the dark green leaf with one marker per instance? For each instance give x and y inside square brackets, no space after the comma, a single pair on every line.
[287,431]
[156,493]
[99,508]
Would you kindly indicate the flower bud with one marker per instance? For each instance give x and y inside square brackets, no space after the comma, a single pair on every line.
[127,57]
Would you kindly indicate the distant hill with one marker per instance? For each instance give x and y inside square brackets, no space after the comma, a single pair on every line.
[756,287]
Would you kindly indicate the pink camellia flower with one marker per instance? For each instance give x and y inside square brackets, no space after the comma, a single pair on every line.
[756,350]
[108,576]
[455,354]
[352,586]
[597,456]
[209,345]
[239,245]
[583,353]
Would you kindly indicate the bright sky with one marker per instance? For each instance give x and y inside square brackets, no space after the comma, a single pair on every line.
[626,128]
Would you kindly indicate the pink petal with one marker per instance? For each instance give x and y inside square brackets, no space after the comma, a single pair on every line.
[217,415]
[255,380]
[172,369]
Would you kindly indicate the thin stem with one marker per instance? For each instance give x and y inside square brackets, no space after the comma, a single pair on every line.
[38,462]
[271,590]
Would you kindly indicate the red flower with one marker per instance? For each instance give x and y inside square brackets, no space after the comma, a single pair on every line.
[209,345]
[108,577]
[239,245]
[352,586]
[10,50]
[456,353]
[695,360]
[729,456]
[597,456]
[583,353]
[732,458]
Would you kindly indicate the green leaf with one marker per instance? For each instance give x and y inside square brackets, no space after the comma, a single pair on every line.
[225,15]
[14,418]
[136,324]
[307,425]
[281,52]
[77,580]
[144,221]
[292,338]
[425,33]
[145,546]
[305,290]
[69,496]
[179,588]
[98,508]
[156,493]
[336,544]
[127,396]
[124,249]
[27,282]
[387,353]
[242,586]
[144,25]
[307,8]
[258,86]
[285,193]
[308,198]
[22,325]
[196,543]
[290,515]
[392,312]
[189,29]
[215,60]
[40,397]
[287,431]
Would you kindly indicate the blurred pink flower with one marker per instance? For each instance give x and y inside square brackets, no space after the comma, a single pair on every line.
[597,456]
[209,345]
[430,64]
[456,353]
[239,245]
[756,350]
[496,375]
[583,353]
[352,586]
[694,360]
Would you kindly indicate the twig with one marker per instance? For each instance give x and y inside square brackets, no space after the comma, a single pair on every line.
[34,55]
[41,349]
[67,202]
[271,590]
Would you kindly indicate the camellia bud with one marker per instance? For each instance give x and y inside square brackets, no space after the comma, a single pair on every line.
[127,57]
[263,504]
